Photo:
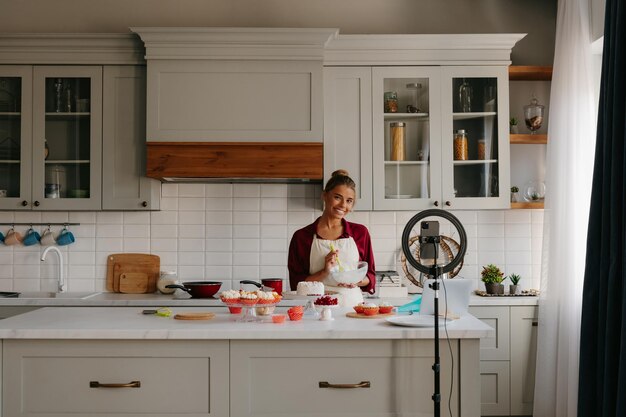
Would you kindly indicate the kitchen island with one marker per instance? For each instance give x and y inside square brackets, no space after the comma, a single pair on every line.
[63,360]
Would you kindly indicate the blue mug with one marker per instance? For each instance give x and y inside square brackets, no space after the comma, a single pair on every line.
[65,237]
[32,237]
[1,237]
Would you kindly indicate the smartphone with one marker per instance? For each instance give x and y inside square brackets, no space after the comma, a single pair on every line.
[428,229]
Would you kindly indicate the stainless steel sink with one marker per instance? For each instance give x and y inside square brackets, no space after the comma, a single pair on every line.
[50,294]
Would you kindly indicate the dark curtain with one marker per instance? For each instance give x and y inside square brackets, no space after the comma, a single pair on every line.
[602,377]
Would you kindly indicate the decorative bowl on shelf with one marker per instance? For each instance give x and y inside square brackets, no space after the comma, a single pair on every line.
[534,191]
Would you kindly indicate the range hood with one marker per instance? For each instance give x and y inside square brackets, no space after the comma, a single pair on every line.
[259,162]
[235,104]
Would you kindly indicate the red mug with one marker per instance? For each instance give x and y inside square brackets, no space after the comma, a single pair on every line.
[275,283]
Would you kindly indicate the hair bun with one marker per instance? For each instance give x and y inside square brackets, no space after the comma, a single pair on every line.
[340,172]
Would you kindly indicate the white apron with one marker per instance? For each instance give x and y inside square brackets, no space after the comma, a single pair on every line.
[349,257]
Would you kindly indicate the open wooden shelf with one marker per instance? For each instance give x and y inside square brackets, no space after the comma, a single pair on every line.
[529,73]
[528,139]
[527,205]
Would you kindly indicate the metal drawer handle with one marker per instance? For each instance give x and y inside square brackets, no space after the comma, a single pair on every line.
[362,384]
[132,384]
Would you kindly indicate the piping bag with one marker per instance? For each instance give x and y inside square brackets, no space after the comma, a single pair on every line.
[412,306]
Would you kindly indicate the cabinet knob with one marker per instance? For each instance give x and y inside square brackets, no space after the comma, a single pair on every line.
[36,203]
[144,204]
[24,203]
[436,203]
[448,203]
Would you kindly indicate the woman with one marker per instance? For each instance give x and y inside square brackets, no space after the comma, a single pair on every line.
[315,249]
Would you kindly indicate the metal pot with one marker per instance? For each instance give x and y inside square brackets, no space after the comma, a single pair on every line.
[267,284]
[198,289]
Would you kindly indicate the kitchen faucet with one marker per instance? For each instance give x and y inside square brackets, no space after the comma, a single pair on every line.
[61,287]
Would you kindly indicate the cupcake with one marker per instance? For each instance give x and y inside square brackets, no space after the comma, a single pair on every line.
[295,313]
[370,309]
[385,308]
[358,308]
[248,298]
[230,297]
[265,297]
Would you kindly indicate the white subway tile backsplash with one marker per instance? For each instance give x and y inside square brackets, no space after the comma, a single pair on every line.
[273,204]
[134,244]
[246,245]
[229,232]
[192,217]
[109,230]
[24,284]
[191,204]
[246,217]
[274,231]
[247,231]
[490,216]
[221,190]
[275,272]
[191,231]
[191,190]
[274,190]
[219,245]
[247,190]
[109,217]
[169,190]
[382,217]
[219,217]
[136,217]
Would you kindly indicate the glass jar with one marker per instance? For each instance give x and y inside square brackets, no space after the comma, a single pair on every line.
[482,149]
[167,278]
[397,135]
[533,114]
[460,146]
[391,102]
[414,106]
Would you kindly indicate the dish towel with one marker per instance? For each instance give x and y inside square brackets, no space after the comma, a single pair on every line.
[413,306]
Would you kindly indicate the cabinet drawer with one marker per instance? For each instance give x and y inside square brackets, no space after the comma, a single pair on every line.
[288,380]
[49,382]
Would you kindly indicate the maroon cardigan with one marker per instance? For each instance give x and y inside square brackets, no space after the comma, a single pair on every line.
[300,252]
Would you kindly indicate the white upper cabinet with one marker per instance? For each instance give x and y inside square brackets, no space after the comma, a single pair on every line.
[425,90]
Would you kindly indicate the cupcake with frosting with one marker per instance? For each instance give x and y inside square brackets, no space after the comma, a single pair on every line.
[370,309]
[230,297]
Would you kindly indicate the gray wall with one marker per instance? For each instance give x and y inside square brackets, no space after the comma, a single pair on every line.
[535,17]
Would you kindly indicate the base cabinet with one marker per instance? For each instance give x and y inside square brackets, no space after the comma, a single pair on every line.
[346,378]
[507,361]
[115,378]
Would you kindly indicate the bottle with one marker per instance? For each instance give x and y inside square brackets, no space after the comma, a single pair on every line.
[460,146]
[482,149]
[391,102]
[167,278]
[465,97]
[397,135]
[414,106]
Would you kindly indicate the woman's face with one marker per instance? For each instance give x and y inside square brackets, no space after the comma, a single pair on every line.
[339,201]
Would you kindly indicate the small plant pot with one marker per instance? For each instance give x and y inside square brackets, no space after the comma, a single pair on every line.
[512,289]
[513,129]
[493,288]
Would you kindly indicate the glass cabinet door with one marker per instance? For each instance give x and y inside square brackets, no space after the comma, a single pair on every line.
[15,136]
[406,149]
[67,138]
[475,155]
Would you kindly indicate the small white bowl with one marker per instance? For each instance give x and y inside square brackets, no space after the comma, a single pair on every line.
[350,277]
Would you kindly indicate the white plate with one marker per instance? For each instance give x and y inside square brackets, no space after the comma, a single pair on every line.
[400,196]
[416,320]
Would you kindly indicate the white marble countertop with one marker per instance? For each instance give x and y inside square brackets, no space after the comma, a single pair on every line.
[110,299]
[130,323]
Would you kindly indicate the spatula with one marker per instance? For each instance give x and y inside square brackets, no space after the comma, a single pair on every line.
[339,265]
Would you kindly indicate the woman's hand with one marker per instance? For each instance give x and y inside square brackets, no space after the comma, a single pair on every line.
[330,260]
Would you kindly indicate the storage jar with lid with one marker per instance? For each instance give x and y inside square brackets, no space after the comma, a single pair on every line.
[167,278]
[460,146]
[391,102]
[397,137]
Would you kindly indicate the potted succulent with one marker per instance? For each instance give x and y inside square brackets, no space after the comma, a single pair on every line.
[492,276]
[514,278]
[514,194]
[513,126]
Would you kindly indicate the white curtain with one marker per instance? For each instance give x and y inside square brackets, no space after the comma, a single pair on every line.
[569,161]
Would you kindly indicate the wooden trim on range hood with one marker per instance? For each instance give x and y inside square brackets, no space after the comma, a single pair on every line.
[177,161]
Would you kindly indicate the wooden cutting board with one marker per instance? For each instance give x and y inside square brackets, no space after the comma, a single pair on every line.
[195,316]
[134,282]
[132,264]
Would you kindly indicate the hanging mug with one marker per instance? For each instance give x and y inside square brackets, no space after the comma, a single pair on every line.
[65,237]
[32,237]
[13,238]
[47,238]
[1,237]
